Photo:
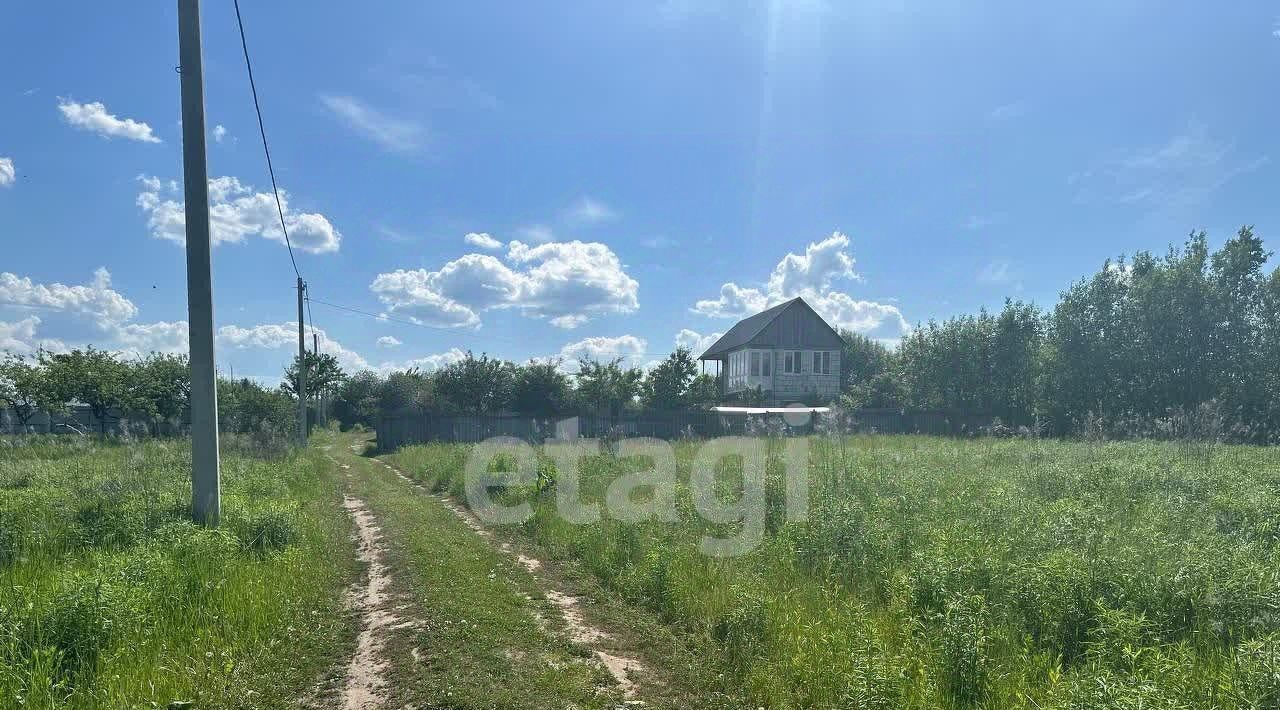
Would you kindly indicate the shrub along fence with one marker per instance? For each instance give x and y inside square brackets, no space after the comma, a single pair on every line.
[415,427]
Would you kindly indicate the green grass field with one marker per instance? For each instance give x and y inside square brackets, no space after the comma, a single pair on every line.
[111,598]
[943,573]
[929,573]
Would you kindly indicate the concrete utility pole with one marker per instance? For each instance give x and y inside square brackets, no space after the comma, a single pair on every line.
[302,370]
[205,493]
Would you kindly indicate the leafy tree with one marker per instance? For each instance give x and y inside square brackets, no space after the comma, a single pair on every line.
[323,372]
[1017,341]
[704,391]
[160,387]
[1268,382]
[476,384]
[861,359]
[1240,301]
[406,389]
[667,385]
[608,386]
[357,399]
[540,388]
[1083,370]
[96,378]
[24,387]
[882,391]
[246,407]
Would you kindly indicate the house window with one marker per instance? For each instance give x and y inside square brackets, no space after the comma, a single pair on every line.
[755,363]
[791,362]
[767,368]
[826,362]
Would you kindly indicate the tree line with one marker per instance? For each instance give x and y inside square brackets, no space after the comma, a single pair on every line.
[483,384]
[1129,349]
[1137,345]
[153,391]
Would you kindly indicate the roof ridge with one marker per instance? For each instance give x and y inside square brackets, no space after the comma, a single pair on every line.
[778,309]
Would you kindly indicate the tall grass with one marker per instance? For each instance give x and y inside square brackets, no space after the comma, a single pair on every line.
[111,598]
[962,574]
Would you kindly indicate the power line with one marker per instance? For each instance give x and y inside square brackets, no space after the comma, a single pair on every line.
[263,131]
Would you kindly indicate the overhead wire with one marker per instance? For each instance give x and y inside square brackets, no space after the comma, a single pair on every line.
[262,130]
[244,44]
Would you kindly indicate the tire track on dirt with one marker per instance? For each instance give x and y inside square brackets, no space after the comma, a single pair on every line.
[580,631]
[366,674]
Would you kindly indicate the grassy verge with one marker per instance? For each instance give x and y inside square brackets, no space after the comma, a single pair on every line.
[942,573]
[110,598]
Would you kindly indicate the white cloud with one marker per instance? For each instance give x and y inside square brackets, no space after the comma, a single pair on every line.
[94,117]
[1180,173]
[537,233]
[811,276]
[843,311]
[389,341]
[628,347]
[569,322]
[566,282]
[695,341]
[17,337]
[284,336]
[589,211]
[482,240]
[427,363]
[821,263]
[265,336]
[734,302]
[161,336]
[20,338]
[394,134]
[95,300]
[272,336]
[8,174]
[219,133]
[236,211]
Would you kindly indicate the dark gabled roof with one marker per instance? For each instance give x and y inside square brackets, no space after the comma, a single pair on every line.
[746,329]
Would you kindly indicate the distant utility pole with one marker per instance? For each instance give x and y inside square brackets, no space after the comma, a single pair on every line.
[205,494]
[315,350]
[302,370]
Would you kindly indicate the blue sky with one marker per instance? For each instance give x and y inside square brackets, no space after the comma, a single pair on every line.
[639,169]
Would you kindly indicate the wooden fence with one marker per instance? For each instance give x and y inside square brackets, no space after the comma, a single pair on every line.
[412,427]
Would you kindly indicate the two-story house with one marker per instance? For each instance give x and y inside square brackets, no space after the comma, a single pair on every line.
[788,351]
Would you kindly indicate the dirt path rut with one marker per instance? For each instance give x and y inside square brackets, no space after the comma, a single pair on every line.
[622,668]
[365,684]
